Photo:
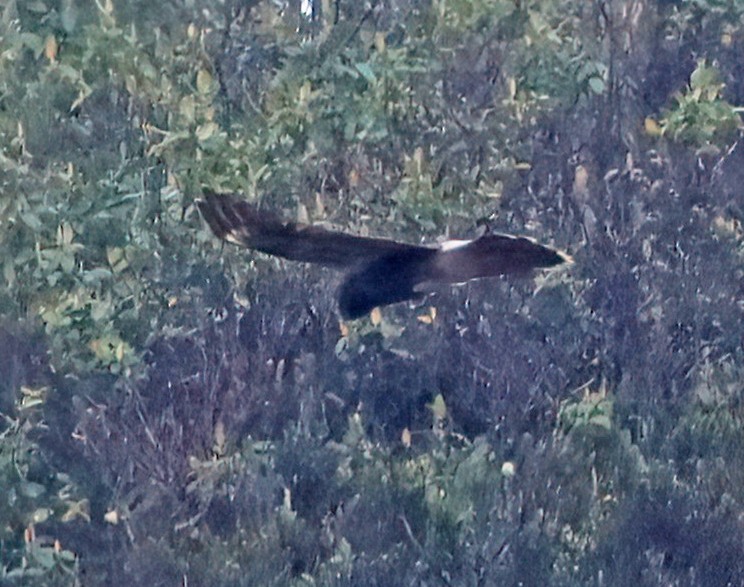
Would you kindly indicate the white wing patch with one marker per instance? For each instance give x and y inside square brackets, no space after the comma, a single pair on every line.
[233,237]
[453,244]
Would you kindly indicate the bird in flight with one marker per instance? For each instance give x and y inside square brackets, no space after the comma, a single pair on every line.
[378,271]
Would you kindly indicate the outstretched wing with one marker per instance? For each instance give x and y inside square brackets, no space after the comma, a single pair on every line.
[233,219]
[406,275]
[491,255]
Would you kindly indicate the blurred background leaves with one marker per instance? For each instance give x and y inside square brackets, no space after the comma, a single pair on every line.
[176,411]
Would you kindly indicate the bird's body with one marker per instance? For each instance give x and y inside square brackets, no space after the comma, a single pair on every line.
[379,271]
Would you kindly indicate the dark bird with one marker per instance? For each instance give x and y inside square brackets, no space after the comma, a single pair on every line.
[378,271]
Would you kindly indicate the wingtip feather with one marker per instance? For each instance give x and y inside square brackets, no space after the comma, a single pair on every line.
[229,217]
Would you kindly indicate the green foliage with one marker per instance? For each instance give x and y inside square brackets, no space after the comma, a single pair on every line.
[554,66]
[112,117]
[701,117]
[344,91]
[445,488]
[32,494]
[457,17]
[417,196]
[80,238]
[435,496]
[728,11]
[712,424]
[594,409]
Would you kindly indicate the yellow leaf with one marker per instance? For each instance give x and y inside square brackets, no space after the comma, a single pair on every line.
[9,273]
[651,127]
[51,48]
[38,392]
[77,509]
[512,88]
[375,316]
[729,227]
[581,179]
[40,515]
[116,258]
[112,517]
[405,437]
[303,216]
[438,407]
[306,91]
[65,234]
[187,108]
[120,349]
[220,438]
[429,317]
[203,81]
[205,131]
[319,205]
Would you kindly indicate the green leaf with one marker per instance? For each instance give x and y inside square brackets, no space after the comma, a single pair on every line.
[9,273]
[96,276]
[597,85]
[101,310]
[32,490]
[33,42]
[704,77]
[366,72]
[32,221]
[44,556]
[38,7]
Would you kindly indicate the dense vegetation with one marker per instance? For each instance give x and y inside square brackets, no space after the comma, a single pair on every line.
[179,412]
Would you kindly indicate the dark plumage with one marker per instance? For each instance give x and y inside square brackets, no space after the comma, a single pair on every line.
[378,271]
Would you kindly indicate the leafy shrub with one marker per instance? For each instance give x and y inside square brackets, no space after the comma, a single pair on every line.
[701,117]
